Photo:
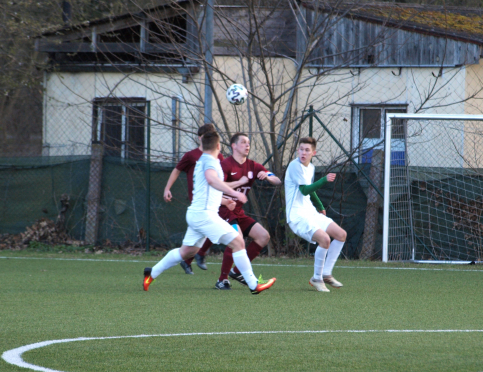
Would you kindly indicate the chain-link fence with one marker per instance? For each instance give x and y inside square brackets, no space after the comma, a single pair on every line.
[115,122]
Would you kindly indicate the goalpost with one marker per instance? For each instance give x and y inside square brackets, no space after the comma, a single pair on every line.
[433,188]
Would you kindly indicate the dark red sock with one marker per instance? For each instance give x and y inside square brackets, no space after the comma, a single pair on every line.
[253,250]
[204,249]
[226,264]
[202,252]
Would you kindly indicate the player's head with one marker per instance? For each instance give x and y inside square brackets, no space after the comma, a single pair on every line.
[306,149]
[205,128]
[240,144]
[210,141]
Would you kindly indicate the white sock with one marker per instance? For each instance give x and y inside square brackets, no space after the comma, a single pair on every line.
[243,264]
[332,256]
[319,257]
[172,258]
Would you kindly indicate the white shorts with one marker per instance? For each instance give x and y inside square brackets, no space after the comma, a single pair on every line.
[207,224]
[306,226]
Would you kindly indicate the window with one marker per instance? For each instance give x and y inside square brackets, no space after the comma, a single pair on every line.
[370,123]
[368,130]
[119,124]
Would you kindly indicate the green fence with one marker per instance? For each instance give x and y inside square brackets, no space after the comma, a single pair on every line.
[31,188]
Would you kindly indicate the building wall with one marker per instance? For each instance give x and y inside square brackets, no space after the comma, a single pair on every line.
[68,109]
[474,106]
[68,106]
[419,88]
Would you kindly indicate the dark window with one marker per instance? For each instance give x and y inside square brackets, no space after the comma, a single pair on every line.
[124,35]
[370,123]
[169,30]
[120,125]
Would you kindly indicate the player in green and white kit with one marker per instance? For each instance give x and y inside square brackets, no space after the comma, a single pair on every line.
[204,221]
[307,218]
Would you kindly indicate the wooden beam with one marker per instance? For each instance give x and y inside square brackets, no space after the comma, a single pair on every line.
[84,30]
[187,71]
[144,37]
[94,39]
[109,48]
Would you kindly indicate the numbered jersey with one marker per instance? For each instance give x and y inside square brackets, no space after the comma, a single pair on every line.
[233,171]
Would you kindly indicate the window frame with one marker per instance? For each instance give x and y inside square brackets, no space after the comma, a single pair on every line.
[356,124]
[127,104]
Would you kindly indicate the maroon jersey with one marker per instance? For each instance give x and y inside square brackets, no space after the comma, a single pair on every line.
[233,171]
[187,164]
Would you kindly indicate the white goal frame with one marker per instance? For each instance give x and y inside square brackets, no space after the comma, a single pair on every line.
[387,174]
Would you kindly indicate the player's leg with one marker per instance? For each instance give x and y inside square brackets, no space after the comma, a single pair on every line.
[260,238]
[172,258]
[192,241]
[227,263]
[199,257]
[323,241]
[339,236]
[243,263]
[221,232]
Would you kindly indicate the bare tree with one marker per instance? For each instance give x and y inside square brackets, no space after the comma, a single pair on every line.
[290,55]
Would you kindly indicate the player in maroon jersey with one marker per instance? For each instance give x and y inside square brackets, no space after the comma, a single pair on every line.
[240,174]
[187,165]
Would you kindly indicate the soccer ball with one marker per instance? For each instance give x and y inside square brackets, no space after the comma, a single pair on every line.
[237,94]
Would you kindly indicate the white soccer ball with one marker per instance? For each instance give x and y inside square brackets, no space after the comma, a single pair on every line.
[237,94]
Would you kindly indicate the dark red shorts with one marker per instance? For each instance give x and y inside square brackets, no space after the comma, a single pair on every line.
[241,219]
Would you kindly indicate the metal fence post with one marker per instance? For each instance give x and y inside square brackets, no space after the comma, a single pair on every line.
[148,176]
[209,19]
[311,127]
[94,193]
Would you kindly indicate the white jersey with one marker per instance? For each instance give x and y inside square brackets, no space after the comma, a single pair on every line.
[206,197]
[298,205]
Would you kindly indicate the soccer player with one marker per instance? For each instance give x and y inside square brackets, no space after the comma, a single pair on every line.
[306,215]
[204,221]
[187,165]
[240,173]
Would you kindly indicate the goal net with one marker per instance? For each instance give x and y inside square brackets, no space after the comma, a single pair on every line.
[433,188]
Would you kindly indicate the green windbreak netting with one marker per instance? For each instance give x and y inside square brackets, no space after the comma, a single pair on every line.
[123,214]
[32,188]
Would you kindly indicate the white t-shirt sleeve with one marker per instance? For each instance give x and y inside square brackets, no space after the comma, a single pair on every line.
[210,163]
[297,174]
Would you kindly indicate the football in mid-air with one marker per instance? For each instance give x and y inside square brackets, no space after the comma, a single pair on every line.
[237,94]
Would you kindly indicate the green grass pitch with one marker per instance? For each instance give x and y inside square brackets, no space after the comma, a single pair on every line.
[44,297]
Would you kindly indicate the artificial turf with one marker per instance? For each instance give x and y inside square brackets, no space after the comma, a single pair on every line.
[44,297]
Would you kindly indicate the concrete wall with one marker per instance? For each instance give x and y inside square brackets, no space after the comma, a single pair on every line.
[419,88]
[69,96]
[68,109]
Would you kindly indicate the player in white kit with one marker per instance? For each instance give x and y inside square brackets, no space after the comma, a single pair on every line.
[203,219]
[307,218]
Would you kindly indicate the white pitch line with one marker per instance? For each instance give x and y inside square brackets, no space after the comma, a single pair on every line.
[14,356]
[253,264]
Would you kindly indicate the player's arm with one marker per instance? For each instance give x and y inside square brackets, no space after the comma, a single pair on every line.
[317,203]
[270,177]
[229,203]
[308,189]
[214,181]
[240,182]
[171,180]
